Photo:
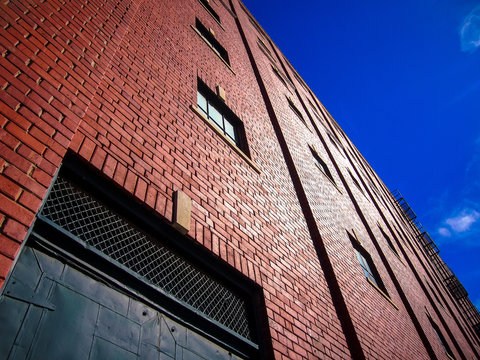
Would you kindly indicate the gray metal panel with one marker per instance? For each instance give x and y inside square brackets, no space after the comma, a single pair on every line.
[118,329]
[95,290]
[68,331]
[12,313]
[103,350]
[63,313]
[27,333]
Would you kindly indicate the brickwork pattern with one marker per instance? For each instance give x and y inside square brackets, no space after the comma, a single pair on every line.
[115,81]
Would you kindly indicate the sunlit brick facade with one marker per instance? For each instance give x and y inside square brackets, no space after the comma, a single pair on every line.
[186,121]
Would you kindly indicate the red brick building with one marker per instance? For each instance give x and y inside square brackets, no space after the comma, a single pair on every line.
[172,189]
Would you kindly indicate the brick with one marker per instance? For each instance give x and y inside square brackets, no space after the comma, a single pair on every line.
[24,180]
[24,137]
[8,247]
[119,97]
[15,229]
[15,210]
[30,201]
[42,177]
[5,264]
[9,188]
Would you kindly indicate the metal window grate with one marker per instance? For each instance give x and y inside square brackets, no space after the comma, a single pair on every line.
[98,226]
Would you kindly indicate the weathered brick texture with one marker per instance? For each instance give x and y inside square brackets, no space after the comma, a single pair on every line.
[114,82]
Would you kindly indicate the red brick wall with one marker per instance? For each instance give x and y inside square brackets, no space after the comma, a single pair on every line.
[53,57]
[114,82]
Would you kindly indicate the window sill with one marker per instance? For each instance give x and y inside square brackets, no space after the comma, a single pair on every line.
[213,49]
[382,293]
[218,22]
[226,139]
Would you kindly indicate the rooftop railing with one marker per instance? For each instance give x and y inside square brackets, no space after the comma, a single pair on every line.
[432,251]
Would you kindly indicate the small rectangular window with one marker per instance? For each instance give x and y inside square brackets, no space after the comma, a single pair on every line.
[263,47]
[314,110]
[441,338]
[282,78]
[218,114]
[208,7]
[332,140]
[295,109]
[208,36]
[389,242]
[367,264]
[321,164]
[355,181]
[366,267]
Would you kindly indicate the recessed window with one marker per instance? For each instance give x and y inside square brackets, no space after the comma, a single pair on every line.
[209,37]
[283,80]
[218,114]
[389,242]
[333,141]
[295,109]
[355,181]
[367,264]
[262,46]
[441,338]
[314,110]
[209,8]
[321,164]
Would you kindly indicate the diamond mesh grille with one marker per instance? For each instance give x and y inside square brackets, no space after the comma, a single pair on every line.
[88,219]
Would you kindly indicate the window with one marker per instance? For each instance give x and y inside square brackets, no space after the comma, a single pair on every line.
[355,181]
[218,114]
[389,242]
[295,109]
[441,338]
[282,79]
[208,7]
[263,47]
[333,141]
[208,36]
[321,164]
[314,110]
[367,264]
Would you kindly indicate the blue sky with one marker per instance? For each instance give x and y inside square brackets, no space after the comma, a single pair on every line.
[403,80]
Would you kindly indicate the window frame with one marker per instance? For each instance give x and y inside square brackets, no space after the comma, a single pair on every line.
[321,165]
[368,266]
[388,240]
[227,115]
[355,181]
[208,7]
[283,79]
[440,337]
[212,42]
[294,108]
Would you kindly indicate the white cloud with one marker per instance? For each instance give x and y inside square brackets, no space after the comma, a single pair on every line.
[444,232]
[464,221]
[470,31]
